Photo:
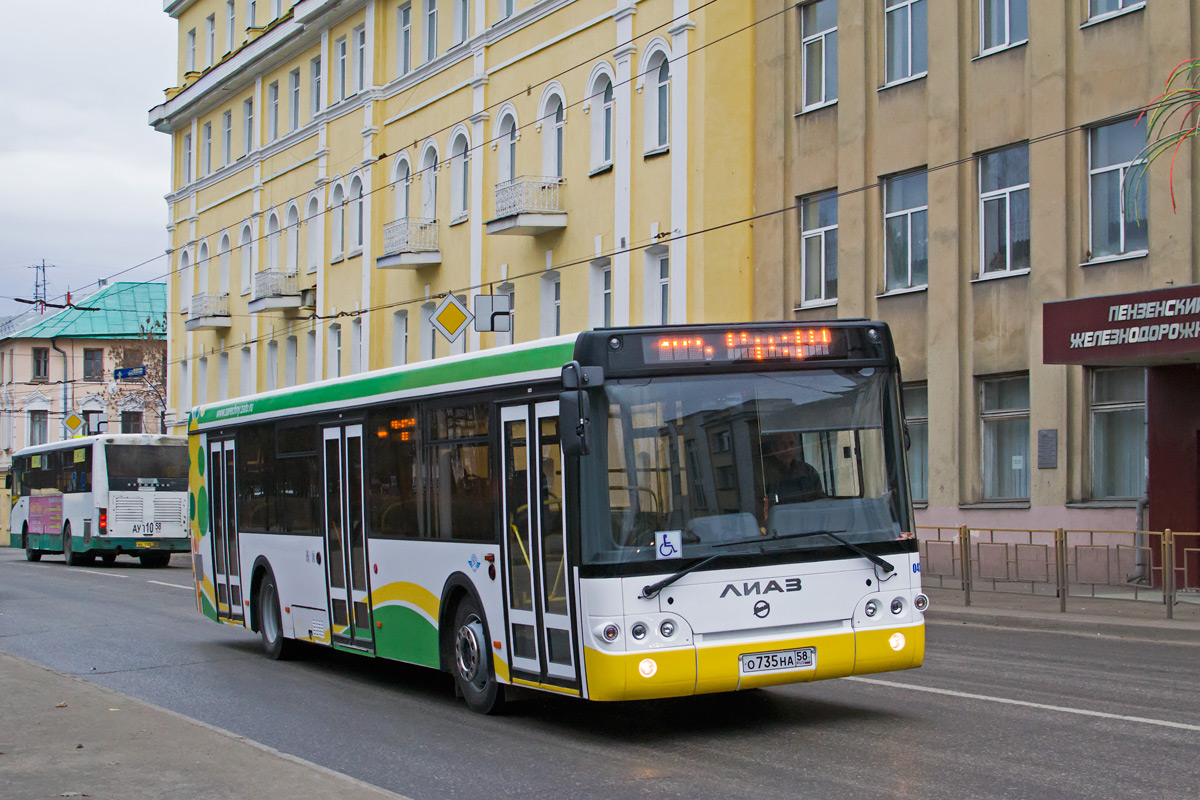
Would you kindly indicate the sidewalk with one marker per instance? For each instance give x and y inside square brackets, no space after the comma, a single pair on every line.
[1126,619]
[61,736]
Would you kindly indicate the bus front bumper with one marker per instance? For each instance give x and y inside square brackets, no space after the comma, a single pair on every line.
[678,672]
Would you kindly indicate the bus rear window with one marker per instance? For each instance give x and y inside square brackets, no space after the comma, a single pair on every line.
[168,462]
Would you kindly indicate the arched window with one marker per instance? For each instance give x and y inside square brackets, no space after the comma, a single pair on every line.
[292,238]
[459,178]
[657,77]
[429,163]
[185,282]
[202,269]
[507,147]
[272,241]
[602,121]
[247,248]
[552,137]
[337,206]
[316,231]
[225,255]
[400,182]
[356,213]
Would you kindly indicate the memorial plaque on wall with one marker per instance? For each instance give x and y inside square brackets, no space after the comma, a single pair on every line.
[1047,449]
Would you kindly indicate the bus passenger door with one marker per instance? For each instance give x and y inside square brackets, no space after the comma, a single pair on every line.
[538,585]
[223,513]
[345,537]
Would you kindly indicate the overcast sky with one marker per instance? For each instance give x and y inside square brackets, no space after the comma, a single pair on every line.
[82,174]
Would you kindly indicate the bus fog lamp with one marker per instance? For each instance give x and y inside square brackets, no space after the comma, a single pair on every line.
[638,630]
[872,608]
[897,606]
[920,602]
[667,629]
[611,632]
[648,667]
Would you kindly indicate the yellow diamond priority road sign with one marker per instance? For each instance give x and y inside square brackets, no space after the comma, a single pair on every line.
[74,422]
[451,318]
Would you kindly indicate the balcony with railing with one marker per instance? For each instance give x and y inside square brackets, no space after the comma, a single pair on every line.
[208,311]
[528,206]
[273,289]
[410,243]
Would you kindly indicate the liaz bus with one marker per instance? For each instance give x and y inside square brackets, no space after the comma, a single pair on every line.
[619,514]
[103,496]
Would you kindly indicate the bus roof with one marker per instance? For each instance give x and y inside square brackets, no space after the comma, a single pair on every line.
[541,359]
[105,438]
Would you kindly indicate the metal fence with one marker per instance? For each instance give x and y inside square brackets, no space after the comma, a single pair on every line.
[209,305]
[410,235]
[1120,565]
[274,283]
[528,194]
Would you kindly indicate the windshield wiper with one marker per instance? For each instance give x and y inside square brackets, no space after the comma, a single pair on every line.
[652,589]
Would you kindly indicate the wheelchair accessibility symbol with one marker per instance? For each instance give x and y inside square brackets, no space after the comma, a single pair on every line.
[668,544]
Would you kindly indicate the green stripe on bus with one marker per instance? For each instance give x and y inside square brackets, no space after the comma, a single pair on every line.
[485,366]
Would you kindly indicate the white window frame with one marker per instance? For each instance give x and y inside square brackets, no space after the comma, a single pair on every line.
[359,66]
[339,69]
[1122,169]
[553,140]
[1123,7]
[462,21]
[272,365]
[356,327]
[506,167]
[987,416]
[290,350]
[918,421]
[662,264]
[314,68]
[356,203]
[1003,195]
[246,378]
[315,244]
[1099,408]
[251,13]
[430,30]
[404,39]
[206,148]
[247,125]
[272,111]
[606,295]
[812,39]
[333,366]
[39,425]
[202,381]
[276,9]
[658,104]
[896,9]
[190,51]
[556,299]
[908,213]
[310,357]
[294,94]
[230,25]
[1006,41]
[399,338]
[460,178]
[506,8]
[187,158]
[337,206]
[602,111]
[210,40]
[818,232]
[223,376]
[226,137]
[247,257]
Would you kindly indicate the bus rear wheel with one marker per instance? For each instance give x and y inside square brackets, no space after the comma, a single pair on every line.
[471,660]
[108,558]
[156,559]
[270,621]
[30,553]
[73,558]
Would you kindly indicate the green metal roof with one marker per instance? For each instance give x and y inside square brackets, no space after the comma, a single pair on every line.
[118,311]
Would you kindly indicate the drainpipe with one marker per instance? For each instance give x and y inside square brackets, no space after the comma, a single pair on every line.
[1140,540]
[66,408]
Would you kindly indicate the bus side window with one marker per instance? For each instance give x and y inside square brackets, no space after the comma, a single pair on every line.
[393,491]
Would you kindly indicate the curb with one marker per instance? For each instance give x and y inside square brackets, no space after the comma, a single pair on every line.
[1153,630]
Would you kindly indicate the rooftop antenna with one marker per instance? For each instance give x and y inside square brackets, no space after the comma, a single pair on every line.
[39,284]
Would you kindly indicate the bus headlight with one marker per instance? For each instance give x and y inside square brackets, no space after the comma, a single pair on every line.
[920,602]
[611,632]
[667,629]
[897,606]
[872,608]
[638,630]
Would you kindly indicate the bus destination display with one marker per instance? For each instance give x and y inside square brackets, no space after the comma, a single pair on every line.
[738,345]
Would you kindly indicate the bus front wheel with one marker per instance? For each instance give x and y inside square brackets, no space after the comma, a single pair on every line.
[471,662]
[30,553]
[270,622]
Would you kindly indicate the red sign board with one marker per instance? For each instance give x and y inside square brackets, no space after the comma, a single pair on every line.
[1161,326]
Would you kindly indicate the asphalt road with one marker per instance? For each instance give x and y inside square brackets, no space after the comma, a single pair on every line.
[993,714]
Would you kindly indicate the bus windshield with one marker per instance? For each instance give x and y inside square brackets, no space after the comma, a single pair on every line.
[164,467]
[727,458]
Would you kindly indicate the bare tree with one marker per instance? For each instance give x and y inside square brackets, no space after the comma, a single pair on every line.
[147,349]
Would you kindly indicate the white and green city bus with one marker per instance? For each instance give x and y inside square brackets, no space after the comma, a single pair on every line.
[618,514]
[121,493]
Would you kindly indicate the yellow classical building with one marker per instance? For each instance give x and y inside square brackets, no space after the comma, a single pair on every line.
[340,166]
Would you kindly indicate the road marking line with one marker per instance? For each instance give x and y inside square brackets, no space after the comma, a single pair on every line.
[96,572]
[176,585]
[1027,704]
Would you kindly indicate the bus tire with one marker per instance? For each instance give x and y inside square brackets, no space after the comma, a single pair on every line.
[155,559]
[108,558]
[470,661]
[73,558]
[270,621]
[30,553]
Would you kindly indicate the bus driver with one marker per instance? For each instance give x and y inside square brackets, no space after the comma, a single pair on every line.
[787,478]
